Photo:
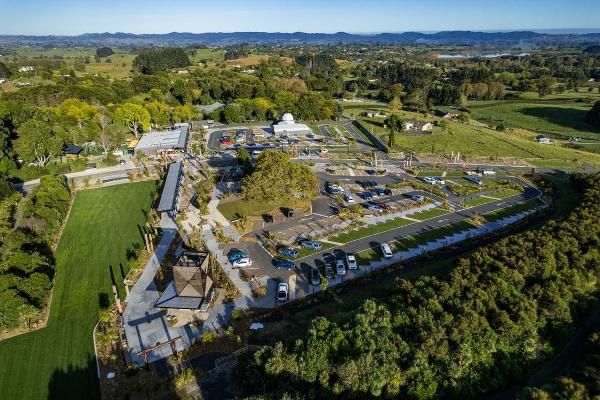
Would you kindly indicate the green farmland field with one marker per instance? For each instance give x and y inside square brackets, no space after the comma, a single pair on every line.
[560,118]
[58,362]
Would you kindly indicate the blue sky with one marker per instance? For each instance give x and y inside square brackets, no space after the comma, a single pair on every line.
[69,17]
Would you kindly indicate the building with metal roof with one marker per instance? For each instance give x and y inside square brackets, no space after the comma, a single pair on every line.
[169,198]
[158,142]
[287,126]
[192,284]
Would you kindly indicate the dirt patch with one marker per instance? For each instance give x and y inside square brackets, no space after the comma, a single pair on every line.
[253,60]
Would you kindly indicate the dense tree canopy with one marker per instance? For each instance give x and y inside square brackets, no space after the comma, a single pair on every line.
[162,59]
[593,116]
[502,310]
[277,179]
[104,52]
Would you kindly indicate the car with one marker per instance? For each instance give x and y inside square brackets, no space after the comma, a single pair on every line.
[235,255]
[489,172]
[340,268]
[439,181]
[386,251]
[379,192]
[417,197]
[281,263]
[370,172]
[282,291]
[348,198]
[372,183]
[256,153]
[237,146]
[329,274]
[242,262]
[365,195]
[288,252]
[351,261]
[374,207]
[268,218]
[122,162]
[329,258]
[384,206]
[315,277]
[429,179]
[476,181]
[387,192]
[310,136]
[311,244]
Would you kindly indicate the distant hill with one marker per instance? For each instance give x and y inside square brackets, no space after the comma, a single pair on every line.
[219,38]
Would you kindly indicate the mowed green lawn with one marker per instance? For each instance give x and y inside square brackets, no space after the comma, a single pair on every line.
[561,118]
[58,362]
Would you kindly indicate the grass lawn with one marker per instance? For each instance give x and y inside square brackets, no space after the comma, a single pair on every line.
[252,208]
[477,201]
[428,214]
[512,210]
[503,194]
[120,67]
[305,252]
[561,118]
[435,234]
[370,230]
[58,362]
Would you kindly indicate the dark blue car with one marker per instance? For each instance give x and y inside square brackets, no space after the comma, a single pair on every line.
[283,264]
[366,196]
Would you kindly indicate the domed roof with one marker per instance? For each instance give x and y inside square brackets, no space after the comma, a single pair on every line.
[287,118]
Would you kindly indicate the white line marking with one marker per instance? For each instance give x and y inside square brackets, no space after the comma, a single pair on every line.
[442,220]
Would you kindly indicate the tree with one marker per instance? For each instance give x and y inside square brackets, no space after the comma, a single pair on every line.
[4,71]
[394,124]
[37,144]
[545,85]
[134,117]
[417,100]
[104,52]
[277,180]
[593,116]
[395,104]
[110,137]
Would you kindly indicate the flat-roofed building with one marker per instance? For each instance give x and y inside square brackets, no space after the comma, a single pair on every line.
[169,199]
[161,142]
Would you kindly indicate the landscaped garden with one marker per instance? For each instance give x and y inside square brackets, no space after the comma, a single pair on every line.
[58,362]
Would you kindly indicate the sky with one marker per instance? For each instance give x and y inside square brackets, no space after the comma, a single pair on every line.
[72,17]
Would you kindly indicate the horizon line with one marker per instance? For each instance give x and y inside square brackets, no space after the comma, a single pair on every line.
[575,31]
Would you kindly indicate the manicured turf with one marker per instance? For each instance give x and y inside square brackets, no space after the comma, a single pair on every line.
[512,210]
[435,234]
[503,194]
[58,362]
[428,214]
[370,230]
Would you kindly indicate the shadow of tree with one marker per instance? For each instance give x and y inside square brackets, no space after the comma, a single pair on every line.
[566,117]
[75,382]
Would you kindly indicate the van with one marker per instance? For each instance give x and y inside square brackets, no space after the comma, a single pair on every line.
[386,251]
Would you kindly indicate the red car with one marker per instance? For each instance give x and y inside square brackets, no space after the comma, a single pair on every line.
[383,206]
[226,140]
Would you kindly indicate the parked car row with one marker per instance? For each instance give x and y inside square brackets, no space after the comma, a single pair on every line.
[333,267]
[239,259]
[434,180]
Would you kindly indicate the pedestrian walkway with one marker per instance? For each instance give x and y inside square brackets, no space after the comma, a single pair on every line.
[145,325]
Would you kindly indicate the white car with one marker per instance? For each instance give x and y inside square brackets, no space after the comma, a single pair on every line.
[351,261]
[242,262]
[417,197]
[340,268]
[489,172]
[386,251]
[282,291]
[439,181]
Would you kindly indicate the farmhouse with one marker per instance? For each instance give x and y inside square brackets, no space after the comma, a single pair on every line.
[446,114]
[287,126]
[171,141]
[414,126]
[543,139]
[191,292]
